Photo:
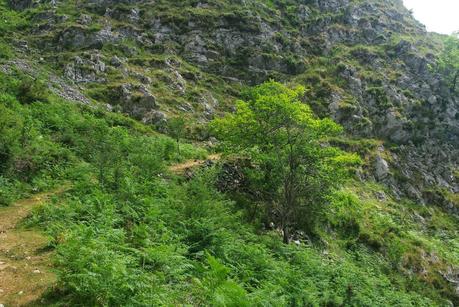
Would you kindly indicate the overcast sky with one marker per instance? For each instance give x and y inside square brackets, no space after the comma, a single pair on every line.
[440,16]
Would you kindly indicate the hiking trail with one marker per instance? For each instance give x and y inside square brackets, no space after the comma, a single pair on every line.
[182,167]
[26,271]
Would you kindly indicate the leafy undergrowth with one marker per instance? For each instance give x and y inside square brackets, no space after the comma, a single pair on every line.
[130,233]
[168,242]
[44,141]
[417,243]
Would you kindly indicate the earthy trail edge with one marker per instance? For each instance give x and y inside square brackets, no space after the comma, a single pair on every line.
[25,264]
[182,167]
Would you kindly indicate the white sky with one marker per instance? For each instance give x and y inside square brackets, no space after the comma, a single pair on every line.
[440,16]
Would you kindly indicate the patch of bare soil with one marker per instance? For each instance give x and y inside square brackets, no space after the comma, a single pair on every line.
[26,271]
[182,167]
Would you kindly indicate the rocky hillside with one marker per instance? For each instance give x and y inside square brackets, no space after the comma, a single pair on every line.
[367,64]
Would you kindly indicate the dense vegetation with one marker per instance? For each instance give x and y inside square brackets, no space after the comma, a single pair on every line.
[129,232]
[301,221]
[449,61]
[294,171]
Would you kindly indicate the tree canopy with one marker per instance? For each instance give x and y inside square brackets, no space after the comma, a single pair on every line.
[295,169]
[449,61]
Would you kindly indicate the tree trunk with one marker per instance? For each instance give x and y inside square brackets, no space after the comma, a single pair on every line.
[253,212]
[286,235]
[289,191]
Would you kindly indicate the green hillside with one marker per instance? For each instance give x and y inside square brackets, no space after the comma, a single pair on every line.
[232,153]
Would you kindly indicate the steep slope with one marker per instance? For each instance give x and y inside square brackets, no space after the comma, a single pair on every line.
[26,266]
[368,64]
[389,237]
[131,232]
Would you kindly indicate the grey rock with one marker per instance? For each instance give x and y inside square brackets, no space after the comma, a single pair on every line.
[381,168]
[404,47]
[178,82]
[148,101]
[381,196]
[209,103]
[186,107]
[134,100]
[158,119]
[304,13]
[84,19]
[83,70]
[21,5]
[57,85]
[81,38]
[115,61]
[141,77]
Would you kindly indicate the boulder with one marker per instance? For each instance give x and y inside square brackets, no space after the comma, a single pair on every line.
[157,119]
[381,168]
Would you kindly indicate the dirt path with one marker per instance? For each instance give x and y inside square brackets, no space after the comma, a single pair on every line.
[182,167]
[25,264]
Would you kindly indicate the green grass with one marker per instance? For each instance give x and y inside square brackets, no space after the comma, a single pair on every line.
[130,233]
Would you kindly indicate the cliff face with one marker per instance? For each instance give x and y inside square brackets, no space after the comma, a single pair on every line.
[368,64]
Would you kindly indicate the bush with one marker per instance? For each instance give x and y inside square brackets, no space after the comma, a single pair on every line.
[9,191]
[31,90]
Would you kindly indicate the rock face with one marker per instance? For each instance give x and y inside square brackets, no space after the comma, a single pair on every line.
[21,4]
[367,64]
[133,99]
[85,70]
[381,168]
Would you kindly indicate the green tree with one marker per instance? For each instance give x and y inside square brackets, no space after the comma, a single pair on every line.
[449,61]
[176,127]
[30,90]
[108,154]
[294,168]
